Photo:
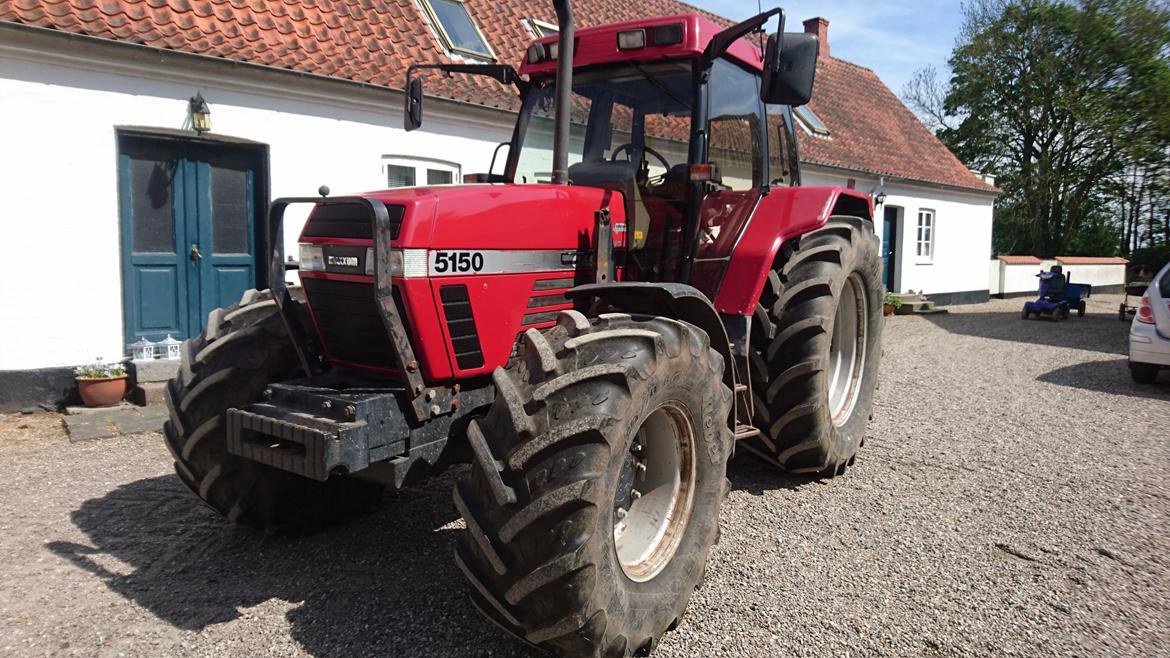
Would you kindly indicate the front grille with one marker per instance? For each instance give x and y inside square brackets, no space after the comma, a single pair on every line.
[349,321]
[461,325]
[349,220]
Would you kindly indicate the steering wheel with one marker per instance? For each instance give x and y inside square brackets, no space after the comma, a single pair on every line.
[645,149]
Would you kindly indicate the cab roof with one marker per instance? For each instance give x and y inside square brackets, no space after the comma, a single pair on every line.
[599,45]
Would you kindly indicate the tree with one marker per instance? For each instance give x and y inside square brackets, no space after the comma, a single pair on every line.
[1064,102]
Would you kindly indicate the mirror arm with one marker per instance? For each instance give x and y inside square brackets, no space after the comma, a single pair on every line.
[504,73]
[723,40]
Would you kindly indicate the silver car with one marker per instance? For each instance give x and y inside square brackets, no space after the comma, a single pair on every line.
[1149,335]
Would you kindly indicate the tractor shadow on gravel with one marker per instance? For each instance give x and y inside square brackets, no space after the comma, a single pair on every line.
[383,583]
[749,474]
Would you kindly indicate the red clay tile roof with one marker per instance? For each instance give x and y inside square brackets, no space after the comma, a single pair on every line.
[373,41]
[872,131]
[1092,260]
[1020,260]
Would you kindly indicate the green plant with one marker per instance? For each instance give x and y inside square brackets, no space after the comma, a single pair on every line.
[894,300]
[100,370]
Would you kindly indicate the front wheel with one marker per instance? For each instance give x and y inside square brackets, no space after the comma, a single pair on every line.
[815,349]
[244,349]
[594,498]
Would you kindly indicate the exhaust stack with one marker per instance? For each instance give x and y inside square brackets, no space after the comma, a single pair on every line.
[560,172]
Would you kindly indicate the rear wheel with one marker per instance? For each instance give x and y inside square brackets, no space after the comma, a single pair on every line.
[816,344]
[594,498]
[1081,309]
[1024,313]
[1143,373]
[244,349]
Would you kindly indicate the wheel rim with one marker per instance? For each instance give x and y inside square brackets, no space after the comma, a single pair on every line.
[847,350]
[654,494]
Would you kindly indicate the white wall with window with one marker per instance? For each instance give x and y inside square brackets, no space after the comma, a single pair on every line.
[409,171]
[947,258]
[318,132]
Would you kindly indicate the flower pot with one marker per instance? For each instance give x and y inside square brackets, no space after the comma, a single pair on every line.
[888,309]
[101,391]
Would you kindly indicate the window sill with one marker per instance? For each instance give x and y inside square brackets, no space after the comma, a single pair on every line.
[924,262]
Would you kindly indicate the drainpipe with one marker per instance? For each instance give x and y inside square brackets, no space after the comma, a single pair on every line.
[560,172]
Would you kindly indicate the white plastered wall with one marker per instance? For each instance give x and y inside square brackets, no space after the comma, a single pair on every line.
[962,241]
[60,260]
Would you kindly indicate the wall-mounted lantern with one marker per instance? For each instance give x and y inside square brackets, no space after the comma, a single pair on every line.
[879,194]
[200,114]
[142,350]
[170,347]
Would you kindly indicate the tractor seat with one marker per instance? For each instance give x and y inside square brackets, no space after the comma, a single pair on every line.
[616,175]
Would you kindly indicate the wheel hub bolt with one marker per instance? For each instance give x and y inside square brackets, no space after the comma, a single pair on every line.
[635,494]
[621,512]
[641,466]
[637,447]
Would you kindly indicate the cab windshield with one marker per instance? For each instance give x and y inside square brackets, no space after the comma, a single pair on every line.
[630,123]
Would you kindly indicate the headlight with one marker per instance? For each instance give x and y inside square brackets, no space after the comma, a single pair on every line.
[395,262]
[312,257]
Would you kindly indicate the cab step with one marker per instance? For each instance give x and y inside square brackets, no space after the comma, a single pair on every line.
[745,432]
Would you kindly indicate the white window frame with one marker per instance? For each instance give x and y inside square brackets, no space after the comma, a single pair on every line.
[421,165]
[808,121]
[448,42]
[925,233]
[537,27]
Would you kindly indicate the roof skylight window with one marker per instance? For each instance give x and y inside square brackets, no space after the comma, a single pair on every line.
[811,123]
[542,29]
[456,27]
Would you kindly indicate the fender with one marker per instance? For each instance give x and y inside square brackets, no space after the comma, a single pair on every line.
[783,214]
[672,300]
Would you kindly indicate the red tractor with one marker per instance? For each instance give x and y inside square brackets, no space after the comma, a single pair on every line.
[643,289]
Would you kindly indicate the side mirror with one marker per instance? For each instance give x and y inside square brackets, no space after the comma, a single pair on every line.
[790,64]
[412,116]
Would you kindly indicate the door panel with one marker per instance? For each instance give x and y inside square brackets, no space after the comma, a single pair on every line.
[226,211]
[162,315]
[188,233]
[889,246]
[153,221]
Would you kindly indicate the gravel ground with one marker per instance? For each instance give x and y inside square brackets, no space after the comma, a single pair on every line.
[1011,498]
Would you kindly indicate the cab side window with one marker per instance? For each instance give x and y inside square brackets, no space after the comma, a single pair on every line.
[783,162]
[736,125]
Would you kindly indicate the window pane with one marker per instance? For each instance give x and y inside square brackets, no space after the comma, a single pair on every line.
[781,158]
[536,162]
[439,177]
[459,27]
[229,207]
[399,176]
[151,173]
[811,121]
[734,130]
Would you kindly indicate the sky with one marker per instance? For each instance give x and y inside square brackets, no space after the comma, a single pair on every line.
[892,37]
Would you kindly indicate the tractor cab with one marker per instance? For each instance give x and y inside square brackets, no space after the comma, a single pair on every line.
[689,121]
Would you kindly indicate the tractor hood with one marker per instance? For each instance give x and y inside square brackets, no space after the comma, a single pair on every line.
[501,216]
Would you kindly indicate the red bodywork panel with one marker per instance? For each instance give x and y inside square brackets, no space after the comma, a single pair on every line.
[781,215]
[520,219]
[598,45]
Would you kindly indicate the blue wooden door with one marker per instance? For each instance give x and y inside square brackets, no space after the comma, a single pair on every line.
[889,246]
[188,233]
[223,183]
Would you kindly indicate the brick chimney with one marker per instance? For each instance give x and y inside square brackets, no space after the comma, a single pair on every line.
[820,27]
